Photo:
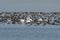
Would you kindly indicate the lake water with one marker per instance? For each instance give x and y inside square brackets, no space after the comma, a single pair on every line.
[23,32]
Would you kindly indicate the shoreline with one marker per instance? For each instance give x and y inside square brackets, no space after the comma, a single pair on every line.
[51,18]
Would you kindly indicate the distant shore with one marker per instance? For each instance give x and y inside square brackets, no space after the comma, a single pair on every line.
[50,18]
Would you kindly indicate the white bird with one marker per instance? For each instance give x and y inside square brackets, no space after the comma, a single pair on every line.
[28,20]
[9,21]
[40,19]
[22,20]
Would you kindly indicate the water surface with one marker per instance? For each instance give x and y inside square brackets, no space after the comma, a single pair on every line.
[23,32]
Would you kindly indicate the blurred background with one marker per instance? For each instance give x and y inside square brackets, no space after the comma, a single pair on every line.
[30,5]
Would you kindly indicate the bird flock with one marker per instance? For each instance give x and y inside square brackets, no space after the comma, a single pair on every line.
[50,18]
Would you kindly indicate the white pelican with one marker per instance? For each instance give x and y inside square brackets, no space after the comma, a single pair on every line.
[28,20]
[8,20]
[22,20]
[40,19]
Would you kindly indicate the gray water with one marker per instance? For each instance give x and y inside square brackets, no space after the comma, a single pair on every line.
[23,32]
